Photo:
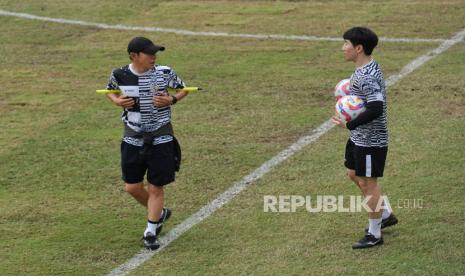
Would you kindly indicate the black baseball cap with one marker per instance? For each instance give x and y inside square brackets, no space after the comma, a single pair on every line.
[144,45]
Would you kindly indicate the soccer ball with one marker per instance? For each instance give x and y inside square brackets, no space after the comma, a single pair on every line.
[349,107]
[342,89]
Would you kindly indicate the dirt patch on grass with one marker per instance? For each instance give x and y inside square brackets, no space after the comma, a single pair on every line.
[456,109]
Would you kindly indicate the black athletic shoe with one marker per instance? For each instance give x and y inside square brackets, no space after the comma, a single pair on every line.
[389,221]
[150,241]
[165,215]
[368,241]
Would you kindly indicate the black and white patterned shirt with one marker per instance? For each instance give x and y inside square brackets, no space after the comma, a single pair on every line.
[367,82]
[144,116]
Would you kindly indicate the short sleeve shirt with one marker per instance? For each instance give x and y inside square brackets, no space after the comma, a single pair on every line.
[367,82]
[144,116]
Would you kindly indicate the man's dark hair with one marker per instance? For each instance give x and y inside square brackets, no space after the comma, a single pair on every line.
[362,36]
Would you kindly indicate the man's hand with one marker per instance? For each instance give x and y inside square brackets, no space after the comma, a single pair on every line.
[162,100]
[124,101]
[339,122]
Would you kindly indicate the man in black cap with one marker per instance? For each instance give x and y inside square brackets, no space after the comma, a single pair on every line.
[148,144]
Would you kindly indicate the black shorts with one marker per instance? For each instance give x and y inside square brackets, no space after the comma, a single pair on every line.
[365,161]
[158,162]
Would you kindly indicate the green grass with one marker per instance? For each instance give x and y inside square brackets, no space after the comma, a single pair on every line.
[418,18]
[62,205]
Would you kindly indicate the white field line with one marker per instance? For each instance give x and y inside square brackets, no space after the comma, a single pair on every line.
[192,33]
[241,185]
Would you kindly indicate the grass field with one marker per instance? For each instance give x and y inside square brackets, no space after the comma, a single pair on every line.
[62,205]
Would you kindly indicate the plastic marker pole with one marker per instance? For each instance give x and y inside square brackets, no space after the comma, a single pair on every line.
[185,89]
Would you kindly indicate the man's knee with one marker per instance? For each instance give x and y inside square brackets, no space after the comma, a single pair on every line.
[367,184]
[352,176]
[134,188]
[155,190]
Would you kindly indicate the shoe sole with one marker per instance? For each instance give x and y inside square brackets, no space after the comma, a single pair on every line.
[151,243]
[152,247]
[394,222]
[368,246]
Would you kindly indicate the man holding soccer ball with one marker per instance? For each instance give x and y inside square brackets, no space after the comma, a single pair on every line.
[367,146]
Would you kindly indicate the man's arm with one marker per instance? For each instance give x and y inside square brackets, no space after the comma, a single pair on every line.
[176,83]
[122,101]
[373,111]
[118,99]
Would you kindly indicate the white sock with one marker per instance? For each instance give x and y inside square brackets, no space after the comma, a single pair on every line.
[387,211]
[374,227]
[151,227]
